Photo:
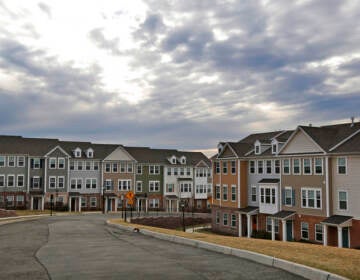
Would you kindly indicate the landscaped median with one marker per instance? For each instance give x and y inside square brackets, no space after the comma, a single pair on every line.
[344,262]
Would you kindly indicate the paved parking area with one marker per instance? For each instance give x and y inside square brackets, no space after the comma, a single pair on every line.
[82,247]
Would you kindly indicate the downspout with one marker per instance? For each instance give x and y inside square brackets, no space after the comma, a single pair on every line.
[327,187]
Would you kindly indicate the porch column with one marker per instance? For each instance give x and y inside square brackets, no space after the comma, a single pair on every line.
[69,204]
[272,229]
[106,204]
[340,237]
[177,206]
[240,225]
[146,205]
[283,222]
[325,235]
[170,205]
[43,203]
[249,229]
[116,204]
[79,201]
[31,203]
[137,205]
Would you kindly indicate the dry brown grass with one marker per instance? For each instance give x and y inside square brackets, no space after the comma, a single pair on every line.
[345,262]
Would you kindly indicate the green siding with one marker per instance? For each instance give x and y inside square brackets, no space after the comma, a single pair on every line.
[145,177]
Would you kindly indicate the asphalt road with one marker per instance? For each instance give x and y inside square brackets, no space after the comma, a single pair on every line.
[83,247]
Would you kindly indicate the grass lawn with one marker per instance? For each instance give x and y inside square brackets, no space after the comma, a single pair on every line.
[345,262]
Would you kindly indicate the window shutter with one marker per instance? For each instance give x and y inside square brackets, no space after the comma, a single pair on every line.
[41,163]
[41,182]
[32,164]
[283,196]
[31,182]
[293,197]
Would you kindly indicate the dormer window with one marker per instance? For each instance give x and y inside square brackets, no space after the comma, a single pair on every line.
[274,148]
[220,148]
[77,152]
[90,153]
[257,148]
[183,160]
[173,159]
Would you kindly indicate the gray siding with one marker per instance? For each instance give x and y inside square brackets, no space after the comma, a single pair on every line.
[86,174]
[14,171]
[57,172]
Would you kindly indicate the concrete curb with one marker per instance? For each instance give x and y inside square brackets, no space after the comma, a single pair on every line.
[297,269]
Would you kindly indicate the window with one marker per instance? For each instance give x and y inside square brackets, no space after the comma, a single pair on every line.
[175,171]
[296,166]
[139,186]
[154,186]
[10,180]
[277,166]
[52,182]
[341,165]
[114,167]
[318,166]
[225,219]
[311,198]
[188,171]
[11,161]
[198,204]
[21,161]
[181,171]
[170,187]
[343,200]
[52,163]
[268,195]
[286,166]
[269,225]
[225,167]
[155,169]
[154,203]
[260,166]
[217,167]
[257,149]
[217,192]
[268,167]
[92,201]
[72,167]
[169,171]
[124,185]
[307,166]
[129,167]
[253,194]
[93,183]
[225,192]
[233,193]
[19,199]
[80,165]
[79,184]
[61,163]
[90,153]
[304,230]
[73,183]
[185,187]
[10,200]
[233,167]
[2,180]
[88,165]
[108,184]
[96,165]
[122,167]
[274,148]
[88,183]
[36,182]
[37,163]
[233,220]
[2,161]
[217,218]
[318,232]
[252,167]
[139,169]
[288,196]
[20,181]
[107,167]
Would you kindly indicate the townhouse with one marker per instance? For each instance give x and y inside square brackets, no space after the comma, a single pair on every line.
[83,176]
[299,185]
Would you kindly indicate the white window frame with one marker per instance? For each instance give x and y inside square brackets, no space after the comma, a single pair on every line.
[252,188]
[61,159]
[52,159]
[233,167]
[257,167]
[266,166]
[227,219]
[318,232]
[269,224]
[107,168]
[233,192]
[154,185]
[257,149]
[73,180]
[254,166]
[139,168]
[224,167]
[139,183]
[88,165]
[81,164]
[310,165]
[217,217]
[217,192]
[274,148]
[18,161]
[23,180]
[225,192]
[286,197]
[154,169]
[93,199]
[36,163]
[7,181]
[50,178]
[307,189]
[299,166]
[14,162]
[277,161]
[4,181]
[130,167]
[322,166]
[77,183]
[233,220]
[3,161]
[303,229]
[38,182]
[289,166]
[338,166]
[114,167]
[124,184]
[347,200]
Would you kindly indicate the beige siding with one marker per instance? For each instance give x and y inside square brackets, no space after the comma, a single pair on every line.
[119,154]
[227,153]
[301,143]
[350,183]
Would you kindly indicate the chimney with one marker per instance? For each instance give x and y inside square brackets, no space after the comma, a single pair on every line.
[352,121]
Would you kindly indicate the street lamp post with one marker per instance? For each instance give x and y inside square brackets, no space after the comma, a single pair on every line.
[51,203]
[182,205]
[56,200]
[103,198]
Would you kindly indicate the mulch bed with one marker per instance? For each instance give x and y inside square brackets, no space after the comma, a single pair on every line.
[170,222]
[7,213]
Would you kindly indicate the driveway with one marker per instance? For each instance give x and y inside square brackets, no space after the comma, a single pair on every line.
[83,247]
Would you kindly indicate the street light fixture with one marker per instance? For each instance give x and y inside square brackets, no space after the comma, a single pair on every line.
[183,205]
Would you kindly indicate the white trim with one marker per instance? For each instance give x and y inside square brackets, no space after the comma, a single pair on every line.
[124,150]
[291,197]
[300,166]
[57,182]
[52,177]
[57,147]
[227,145]
[337,166]
[303,166]
[8,161]
[344,140]
[338,200]
[233,187]
[282,167]
[50,159]
[17,161]
[307,189]
[4,181]
[203,162]
[322,166]
[58,162]
[301,230]
[327,186]
[17,180]
[7,181]
[225,186]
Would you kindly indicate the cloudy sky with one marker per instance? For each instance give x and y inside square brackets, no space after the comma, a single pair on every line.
[181,74]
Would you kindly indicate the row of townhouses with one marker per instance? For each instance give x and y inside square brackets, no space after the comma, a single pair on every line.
[86,176]
[291,185]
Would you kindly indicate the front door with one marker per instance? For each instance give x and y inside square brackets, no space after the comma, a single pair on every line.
[345,237]
[254,222]
[73,204]
[289,235]
[109,204]
[36,203]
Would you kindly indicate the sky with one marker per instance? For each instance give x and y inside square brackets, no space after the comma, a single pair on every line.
[176,74]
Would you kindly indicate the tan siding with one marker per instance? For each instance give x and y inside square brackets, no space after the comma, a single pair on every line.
[243,184]
[301,143]
[227,153]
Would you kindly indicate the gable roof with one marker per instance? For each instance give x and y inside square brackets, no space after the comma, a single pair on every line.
[26,146]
